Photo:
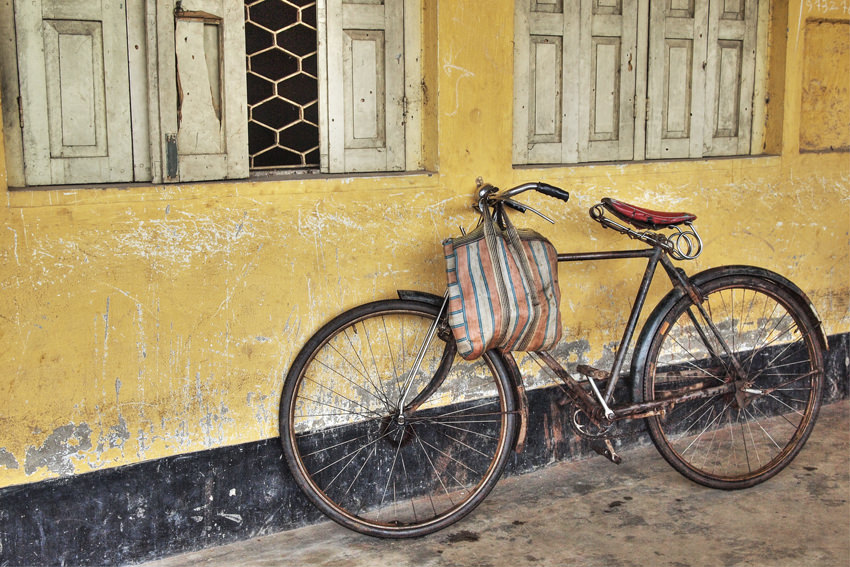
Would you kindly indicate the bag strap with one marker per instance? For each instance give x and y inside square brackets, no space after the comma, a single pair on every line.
[491,239]
[521,257]
[513,244]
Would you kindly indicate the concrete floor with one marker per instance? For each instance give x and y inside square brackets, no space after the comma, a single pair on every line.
[593,513]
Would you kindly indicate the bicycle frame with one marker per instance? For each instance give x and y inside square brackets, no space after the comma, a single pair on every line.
[634,410]
[589,404]
[653,255]
[594,403]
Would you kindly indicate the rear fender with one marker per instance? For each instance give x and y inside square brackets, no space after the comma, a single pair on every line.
[653,322]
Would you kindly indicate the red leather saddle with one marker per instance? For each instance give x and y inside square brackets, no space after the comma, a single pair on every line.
[645,218]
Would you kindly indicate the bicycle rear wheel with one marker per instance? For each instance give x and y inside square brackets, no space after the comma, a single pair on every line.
[377,465]
[767,376]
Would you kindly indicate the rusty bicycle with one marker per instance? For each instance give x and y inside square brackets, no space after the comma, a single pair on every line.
[390,433]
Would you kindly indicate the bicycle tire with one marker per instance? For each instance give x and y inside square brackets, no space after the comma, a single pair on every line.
[353,457]
[749,433]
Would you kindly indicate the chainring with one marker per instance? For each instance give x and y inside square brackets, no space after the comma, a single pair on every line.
[584,426]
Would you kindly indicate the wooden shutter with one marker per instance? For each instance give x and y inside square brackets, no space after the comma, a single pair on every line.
[545,128]
[608,61]
[574,85]
[730,76]
[75,97]
[201,90]
[677,58]
[362,85]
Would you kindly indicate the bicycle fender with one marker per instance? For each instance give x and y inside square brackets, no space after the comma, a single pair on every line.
[420,296]
[649,330]
[653,322]
[520,400]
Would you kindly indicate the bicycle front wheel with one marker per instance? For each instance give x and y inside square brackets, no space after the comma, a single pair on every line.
[384,451]
[754,346]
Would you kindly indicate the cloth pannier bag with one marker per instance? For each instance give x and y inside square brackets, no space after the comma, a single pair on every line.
[503,289]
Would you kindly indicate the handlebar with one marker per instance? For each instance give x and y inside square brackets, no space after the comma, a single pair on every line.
[488,195]
[552,191]
[540,187]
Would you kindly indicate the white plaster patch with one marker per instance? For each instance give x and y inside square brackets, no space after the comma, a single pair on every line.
[65,443]
[828,6]
[7,459]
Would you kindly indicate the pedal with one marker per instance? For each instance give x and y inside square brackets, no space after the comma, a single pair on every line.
[595,373]
[605,448]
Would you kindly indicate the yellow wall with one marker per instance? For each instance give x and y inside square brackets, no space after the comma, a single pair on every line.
[142,322]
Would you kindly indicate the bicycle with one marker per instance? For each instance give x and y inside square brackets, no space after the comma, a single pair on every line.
[391,434]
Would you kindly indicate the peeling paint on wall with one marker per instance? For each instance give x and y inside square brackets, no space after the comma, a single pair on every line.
[65,443]
[168,333]
[7,459]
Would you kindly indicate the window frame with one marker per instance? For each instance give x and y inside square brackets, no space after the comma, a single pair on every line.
[154,150]
[574,145]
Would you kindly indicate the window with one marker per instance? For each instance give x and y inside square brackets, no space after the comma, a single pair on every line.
[283,89]
[620,80]
[165,91]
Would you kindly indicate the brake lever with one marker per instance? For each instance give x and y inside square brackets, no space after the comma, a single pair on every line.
[522,207]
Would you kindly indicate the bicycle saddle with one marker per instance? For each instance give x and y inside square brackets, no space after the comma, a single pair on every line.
[645,218]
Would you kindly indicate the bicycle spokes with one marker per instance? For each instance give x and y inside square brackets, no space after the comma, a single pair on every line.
[761,347]
[390,432]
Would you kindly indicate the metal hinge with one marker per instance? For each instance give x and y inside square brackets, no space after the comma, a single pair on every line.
[645,109]
[404,110]
[172,158]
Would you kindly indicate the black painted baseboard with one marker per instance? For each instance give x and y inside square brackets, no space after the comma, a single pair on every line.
[176,504]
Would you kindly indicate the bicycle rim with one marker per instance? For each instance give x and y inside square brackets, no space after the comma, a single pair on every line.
[378,468]
[773,377]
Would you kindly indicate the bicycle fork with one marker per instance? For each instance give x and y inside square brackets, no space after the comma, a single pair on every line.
[429,336]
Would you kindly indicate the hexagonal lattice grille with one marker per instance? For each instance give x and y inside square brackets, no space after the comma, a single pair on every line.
[283,92]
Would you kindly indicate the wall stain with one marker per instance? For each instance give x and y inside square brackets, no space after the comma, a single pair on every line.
[65,443]
[116,436]
[7,459]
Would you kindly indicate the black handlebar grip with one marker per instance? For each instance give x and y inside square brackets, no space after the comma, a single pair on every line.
[552,191]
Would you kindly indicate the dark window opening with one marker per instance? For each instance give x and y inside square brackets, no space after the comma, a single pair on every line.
[283,91]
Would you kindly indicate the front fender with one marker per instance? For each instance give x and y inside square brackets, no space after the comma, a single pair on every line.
[420,296]
[520,400]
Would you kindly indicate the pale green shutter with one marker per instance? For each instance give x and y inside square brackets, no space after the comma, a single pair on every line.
[545,126]
[362,85]
[574,80]
[75,97]
[201,91]
[608,62]
[677,55]
[730,76]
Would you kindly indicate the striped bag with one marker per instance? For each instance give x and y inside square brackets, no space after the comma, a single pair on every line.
[503,289]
